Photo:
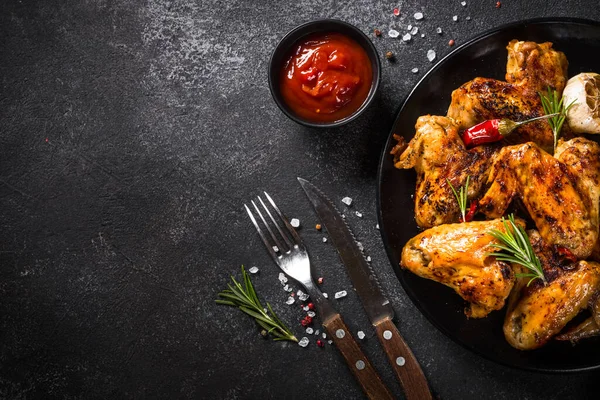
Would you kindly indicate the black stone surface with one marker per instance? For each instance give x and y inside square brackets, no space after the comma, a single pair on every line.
[131,133]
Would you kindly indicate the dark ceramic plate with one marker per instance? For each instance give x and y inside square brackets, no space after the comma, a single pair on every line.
[483,56]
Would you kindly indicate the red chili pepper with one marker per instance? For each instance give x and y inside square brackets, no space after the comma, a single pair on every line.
[471,212]
[566,253]
[494,130]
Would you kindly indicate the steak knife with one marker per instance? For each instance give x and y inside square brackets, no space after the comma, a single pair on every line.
[377,307]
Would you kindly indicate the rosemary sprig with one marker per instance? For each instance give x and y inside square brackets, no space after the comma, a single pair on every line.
[245,298]
[551,105]
[461,197]
[516,248]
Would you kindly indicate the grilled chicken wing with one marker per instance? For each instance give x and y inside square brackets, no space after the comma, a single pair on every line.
[439,155]
[457,256]
[561,197]
[531,68]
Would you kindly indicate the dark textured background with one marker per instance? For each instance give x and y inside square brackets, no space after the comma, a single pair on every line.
[131,133]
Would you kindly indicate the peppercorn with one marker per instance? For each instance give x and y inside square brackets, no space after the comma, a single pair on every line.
[320,280]
[389,55]
[311,306]
[320,343]
[318,227]
[451,42]
[498,4]
[377,32]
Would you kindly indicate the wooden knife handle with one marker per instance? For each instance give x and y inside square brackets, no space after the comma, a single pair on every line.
[403,361]
[357,361]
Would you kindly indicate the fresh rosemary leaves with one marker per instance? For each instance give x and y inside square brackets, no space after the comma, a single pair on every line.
[552,105]
[516,248]
[245,298]
[461,197]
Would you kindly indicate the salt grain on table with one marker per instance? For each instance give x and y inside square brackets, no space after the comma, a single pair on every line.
[414,71]
[317,332]
[439,31]
[418,16]
[324,240]
[468,18]
[295,222]
[406,37]
[325,295]
[303,342]
[414,31]
[422,35]
[309,330]
[358,214]
[282,278]
[409,27]
[455,18]
[360,246]
[393,33]
[430,55]
[361,335]
[253,270]
[305,308]
[341,294]
[311,314]
[301,295]
[324,335]
[347,201]
[290,300]
[368,258]
[275,249]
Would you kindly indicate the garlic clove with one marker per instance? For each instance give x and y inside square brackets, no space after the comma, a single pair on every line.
[583,91]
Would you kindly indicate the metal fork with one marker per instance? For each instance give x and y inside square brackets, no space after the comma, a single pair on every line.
[289,253]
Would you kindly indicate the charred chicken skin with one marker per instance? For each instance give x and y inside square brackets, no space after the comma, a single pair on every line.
[438,155]
[561,197]
[457,255]
[538,312]
[531,68]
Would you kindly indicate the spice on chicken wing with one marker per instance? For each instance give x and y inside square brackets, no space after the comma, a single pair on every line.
[531,68]
[457,255]
[561,197]
[438,155]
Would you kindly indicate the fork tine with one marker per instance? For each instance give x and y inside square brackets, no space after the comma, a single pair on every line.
[261,233]
[289,227]
[273,236]
[285,237]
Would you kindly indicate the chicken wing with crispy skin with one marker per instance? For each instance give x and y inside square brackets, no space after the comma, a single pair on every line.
[531,68]
[538,312]
[457,255]
[438,155]
[561,197]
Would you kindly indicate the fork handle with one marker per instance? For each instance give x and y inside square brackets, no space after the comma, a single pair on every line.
[357,361]
[403,361]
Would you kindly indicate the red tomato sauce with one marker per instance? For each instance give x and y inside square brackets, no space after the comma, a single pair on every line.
[326,78]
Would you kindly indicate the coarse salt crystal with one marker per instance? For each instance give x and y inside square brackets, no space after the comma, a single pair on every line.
[317,332]
[422,35]
[418,16]
[305,308]
[361,335]
[358,214]
[324,240]
[430,55]
[439,31]
[455,18]
[324,335]
[468,18]
[368,258]
[347,201]
[341,294]
[309,330]
[393,33]
[290,300]
[282,278]
[407,37]
[253,270]
[414,71]
[311,314]
[343,216]
[325,295]
[275,249]
[408,28]
[360,246]
[463,3]
[303,342]
[330,341]
[301,295]
[414,31]
[295,222]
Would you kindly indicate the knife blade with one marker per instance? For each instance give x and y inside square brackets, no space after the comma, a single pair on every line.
[376,305]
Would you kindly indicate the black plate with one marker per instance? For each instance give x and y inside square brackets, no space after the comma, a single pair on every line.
[483,56]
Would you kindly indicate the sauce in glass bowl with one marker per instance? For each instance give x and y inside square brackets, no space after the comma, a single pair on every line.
[326,78]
